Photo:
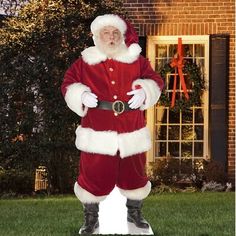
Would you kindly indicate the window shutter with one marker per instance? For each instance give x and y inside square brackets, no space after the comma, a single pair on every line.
[218,86]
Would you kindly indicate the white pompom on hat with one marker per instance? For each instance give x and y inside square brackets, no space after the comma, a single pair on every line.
[108,20]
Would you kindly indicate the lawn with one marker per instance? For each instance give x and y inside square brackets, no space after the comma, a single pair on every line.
[181,214]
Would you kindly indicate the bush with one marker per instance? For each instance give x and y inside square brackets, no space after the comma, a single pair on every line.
[16,182]
[214,171]
[165,171]
[171,172]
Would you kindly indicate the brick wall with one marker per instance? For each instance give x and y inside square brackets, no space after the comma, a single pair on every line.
[191,17]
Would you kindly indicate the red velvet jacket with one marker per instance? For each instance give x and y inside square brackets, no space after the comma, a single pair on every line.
[110,80]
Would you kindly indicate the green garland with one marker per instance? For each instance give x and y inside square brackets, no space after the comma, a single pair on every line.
[198,85]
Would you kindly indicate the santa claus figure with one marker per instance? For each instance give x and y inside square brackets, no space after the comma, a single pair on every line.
[110,87]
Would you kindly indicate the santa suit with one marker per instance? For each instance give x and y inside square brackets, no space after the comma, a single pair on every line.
[112,146]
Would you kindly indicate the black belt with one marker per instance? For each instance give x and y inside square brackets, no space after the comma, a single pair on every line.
[117,106]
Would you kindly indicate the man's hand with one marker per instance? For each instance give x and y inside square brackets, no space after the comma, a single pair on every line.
[138,98]
[89,99]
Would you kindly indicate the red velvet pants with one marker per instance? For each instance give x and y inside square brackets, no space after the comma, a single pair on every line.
[100,173]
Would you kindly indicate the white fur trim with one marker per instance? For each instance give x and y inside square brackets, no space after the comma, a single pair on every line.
[109,142]
[130,55]
[93,55]
[108,20]
[73,98]
[152,90]
[101,142]
[137,194]
[135,142]
[86,197]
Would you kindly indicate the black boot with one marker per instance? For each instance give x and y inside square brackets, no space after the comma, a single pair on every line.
[135,215]
[90,218]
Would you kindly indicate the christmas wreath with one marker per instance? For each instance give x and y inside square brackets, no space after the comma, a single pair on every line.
[189,73]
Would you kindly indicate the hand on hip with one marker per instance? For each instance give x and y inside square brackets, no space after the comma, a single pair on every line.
[138,98]
[89,99]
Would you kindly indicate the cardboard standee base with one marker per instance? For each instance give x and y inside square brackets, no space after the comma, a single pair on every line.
[113,217]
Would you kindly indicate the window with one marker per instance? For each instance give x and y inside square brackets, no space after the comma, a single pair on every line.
[182,134]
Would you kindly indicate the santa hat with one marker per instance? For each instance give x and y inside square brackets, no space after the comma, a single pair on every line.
[108,20]
[121,24]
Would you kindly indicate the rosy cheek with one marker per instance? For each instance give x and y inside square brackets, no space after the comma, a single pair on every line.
[103,39]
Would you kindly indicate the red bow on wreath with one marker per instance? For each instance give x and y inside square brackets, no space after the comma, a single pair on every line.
[177,63]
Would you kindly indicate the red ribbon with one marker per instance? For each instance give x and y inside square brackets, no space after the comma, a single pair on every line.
[177,63]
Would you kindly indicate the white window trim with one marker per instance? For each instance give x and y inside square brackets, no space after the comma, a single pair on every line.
[152,41]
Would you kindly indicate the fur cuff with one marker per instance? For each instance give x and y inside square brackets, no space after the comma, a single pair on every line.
[152,90]
[109,142]
[137,194]
[73,98]
[86,197]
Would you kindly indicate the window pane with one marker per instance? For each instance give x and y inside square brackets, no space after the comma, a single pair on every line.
[186,149]
[159,64]
[171,79]
[198,129]
[173,132]
[198,115]
[188,50]
[201,64]
[161,50]
[199,50]
[198,149]
[187,132]
[161,115]
[174,149]
[188,82]
[187,116]
[174,117]
[160,149]
[172,50]
[162,132]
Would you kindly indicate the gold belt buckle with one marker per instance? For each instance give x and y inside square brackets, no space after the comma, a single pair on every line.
[118,107]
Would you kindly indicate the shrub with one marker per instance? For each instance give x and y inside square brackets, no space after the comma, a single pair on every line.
[16,181]
[214,171]
[165,171]
[184,173]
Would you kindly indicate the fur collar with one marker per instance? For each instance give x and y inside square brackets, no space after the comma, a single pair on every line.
[93,55]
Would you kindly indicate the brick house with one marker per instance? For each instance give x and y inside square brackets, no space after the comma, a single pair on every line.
[207,29]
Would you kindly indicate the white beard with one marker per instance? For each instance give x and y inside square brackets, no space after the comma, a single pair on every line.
[111,51]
